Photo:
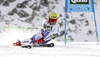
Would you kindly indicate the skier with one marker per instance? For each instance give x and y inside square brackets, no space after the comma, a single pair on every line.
[52,30]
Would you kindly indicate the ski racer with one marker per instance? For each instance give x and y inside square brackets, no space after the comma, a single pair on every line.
[52,30]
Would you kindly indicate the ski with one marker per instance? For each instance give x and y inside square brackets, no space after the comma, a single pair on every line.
[41,45]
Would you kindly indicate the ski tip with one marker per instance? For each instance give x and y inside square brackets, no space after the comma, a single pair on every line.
[51,45]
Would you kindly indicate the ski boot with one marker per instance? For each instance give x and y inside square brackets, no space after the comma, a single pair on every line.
[18,43]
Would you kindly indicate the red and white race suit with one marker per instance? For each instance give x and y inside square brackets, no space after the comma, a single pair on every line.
[45,35]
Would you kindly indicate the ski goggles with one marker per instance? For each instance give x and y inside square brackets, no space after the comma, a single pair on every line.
[53,20]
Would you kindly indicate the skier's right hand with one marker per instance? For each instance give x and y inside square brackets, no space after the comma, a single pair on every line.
[47,28]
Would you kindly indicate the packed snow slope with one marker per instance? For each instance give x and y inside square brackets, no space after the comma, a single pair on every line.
[30,13]
[59,50]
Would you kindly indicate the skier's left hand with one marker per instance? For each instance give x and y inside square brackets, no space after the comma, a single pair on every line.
[54,35]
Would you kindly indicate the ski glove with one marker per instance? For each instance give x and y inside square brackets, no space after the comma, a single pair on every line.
[53,36]
[47,28]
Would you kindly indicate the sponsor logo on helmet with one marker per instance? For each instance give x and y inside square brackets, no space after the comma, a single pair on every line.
[79,1]
[53,17]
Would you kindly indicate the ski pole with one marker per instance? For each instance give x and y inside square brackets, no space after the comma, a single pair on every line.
[22,28]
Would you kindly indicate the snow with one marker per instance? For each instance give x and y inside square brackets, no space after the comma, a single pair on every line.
[12,35]
[59,50]
[71,49]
